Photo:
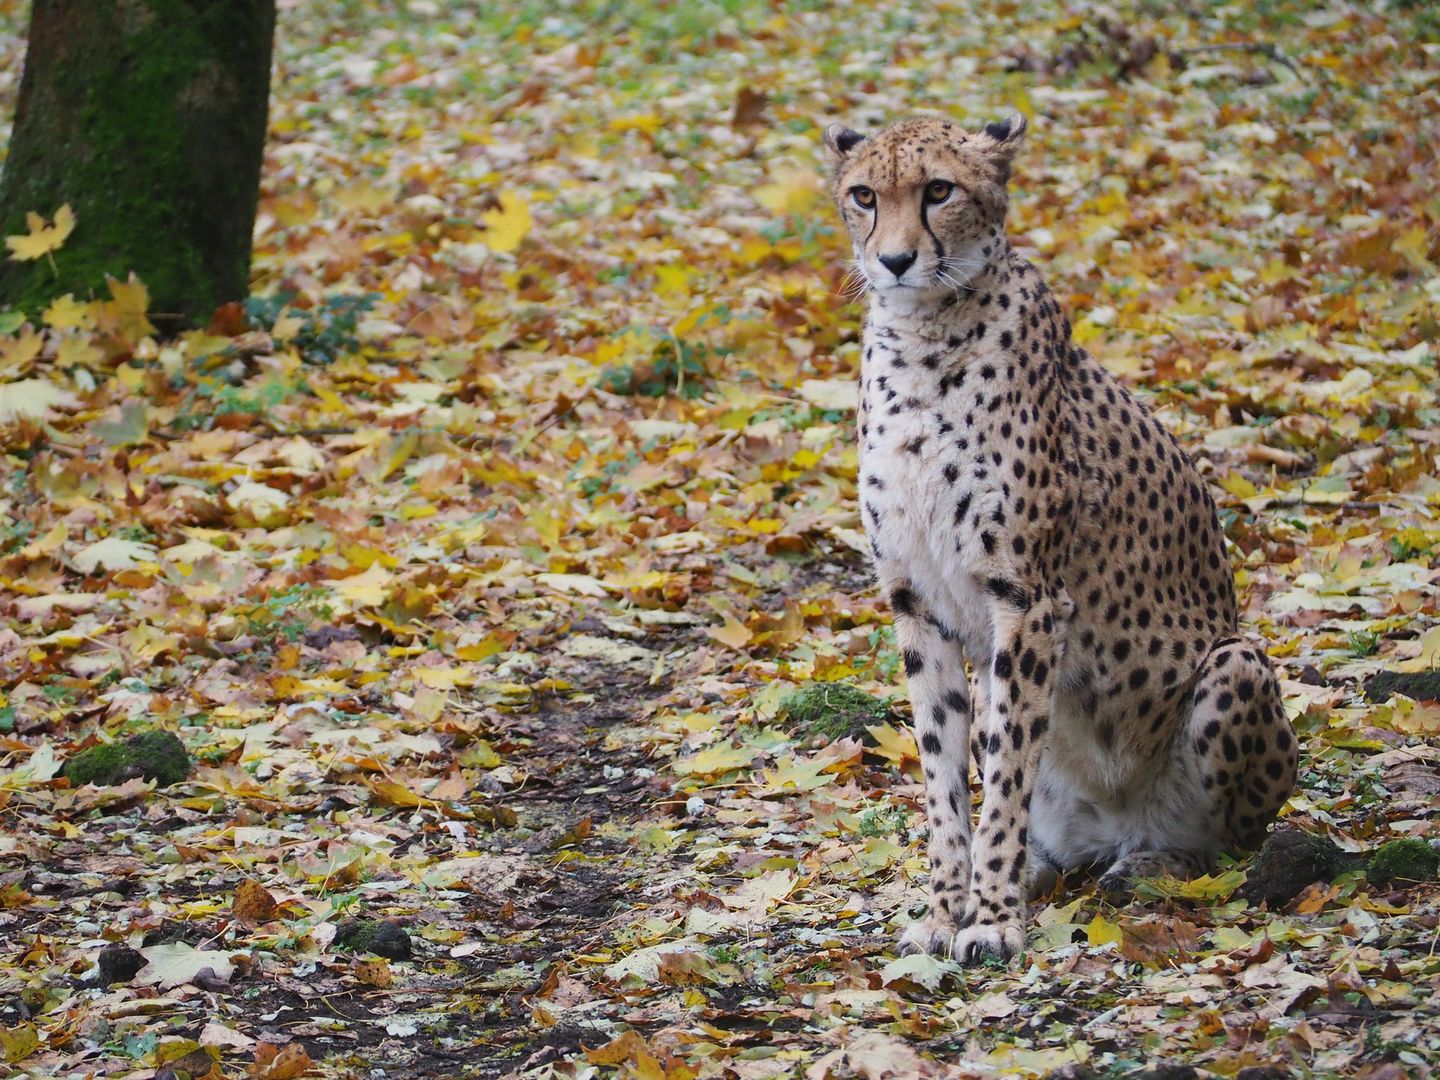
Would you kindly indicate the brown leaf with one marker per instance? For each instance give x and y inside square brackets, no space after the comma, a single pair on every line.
[1160,939]
[374,971]
[253,903]
[573,835]
[626,1047]
[274,1062]
[749,107]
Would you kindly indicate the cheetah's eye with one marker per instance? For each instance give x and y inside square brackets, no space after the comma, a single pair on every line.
[864,197]
[937,191]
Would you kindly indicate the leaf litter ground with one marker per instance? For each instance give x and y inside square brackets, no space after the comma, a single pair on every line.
[474,560]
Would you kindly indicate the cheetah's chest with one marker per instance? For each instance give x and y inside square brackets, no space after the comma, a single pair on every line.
[923,485]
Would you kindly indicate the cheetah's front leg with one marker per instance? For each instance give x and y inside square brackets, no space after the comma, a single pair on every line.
[1022,680]
[940,703]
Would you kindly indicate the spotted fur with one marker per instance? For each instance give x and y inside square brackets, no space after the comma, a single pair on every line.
[1029,519]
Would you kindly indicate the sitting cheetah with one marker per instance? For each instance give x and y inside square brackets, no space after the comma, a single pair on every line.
[1026,514]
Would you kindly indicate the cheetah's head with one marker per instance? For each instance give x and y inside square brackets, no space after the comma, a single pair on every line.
[924,201]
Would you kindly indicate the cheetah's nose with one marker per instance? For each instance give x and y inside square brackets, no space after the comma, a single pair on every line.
[898,264]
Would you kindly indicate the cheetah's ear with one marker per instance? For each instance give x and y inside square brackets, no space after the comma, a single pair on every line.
[1005,137]
[839,141]
[1009,132]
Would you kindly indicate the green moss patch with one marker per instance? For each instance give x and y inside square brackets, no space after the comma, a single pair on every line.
[1420,685]
[832,711]
[155,755]
[1403,862]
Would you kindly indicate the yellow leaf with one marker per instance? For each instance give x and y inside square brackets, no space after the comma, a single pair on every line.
[1238,486]
[124,312]
[791,191]
[67,313]
[19,1042]
[507,225]
[797,774]
[896,745]
[673,280]
[734,633]
[690,320]
[364,196]
[78,351]
[286,327]
[1103,932]
[48,544]
[1429,655]
[1414,245]
[362,558]
[1085,331]
[646,122]
[479,755]
[444,678]
[390,793]
[64,222]
[834,394]
[575,584]
[486,647]
[267,505]
[113,553]
[715,760]
[1207,887]
[369,589]
[17,353]
[42,239]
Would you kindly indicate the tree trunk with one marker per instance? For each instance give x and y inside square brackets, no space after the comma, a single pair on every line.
[147,117]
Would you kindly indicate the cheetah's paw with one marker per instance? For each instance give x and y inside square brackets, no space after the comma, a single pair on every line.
[1001,941]
[934,934]
[1117,884]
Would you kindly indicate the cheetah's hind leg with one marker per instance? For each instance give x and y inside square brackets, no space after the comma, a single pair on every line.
[1232,767]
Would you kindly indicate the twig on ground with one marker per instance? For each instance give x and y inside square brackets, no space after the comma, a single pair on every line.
[1260,48]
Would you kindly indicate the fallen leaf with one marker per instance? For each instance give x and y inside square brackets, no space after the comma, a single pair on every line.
[508,224]
[178,963]
[279,1063]
[253,903]
[42,238]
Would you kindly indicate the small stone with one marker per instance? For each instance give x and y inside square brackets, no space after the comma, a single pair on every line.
[119,963]
[1291,860]
[385,939]
[197,1063]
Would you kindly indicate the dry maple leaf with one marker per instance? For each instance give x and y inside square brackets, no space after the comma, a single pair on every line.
[279,1063]
[253,903]
[42,239]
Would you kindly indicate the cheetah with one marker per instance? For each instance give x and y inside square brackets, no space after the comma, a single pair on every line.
[1027,516]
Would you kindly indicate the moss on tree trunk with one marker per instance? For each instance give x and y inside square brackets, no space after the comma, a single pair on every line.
[147,117]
